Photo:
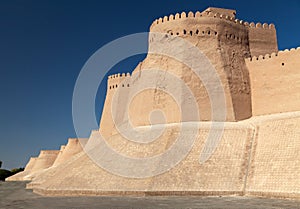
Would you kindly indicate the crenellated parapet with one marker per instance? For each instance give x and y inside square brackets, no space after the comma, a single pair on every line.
[275,83]
[261,26]
[118,80]
[279,54]
[198,15]
[260,37]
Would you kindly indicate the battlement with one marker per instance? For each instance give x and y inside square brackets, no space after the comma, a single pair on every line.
[191,15]
[119,75]
[260,25]
[114,81]
[274,54]
[197,15]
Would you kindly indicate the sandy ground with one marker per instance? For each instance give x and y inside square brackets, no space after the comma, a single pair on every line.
[14,195]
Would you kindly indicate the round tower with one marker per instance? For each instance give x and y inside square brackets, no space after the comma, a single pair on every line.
[224,40]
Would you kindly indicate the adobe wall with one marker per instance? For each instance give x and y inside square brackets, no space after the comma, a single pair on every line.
[36,165]
[20,176]
[275,85]
[72,148]
[262,39]
[224,40]
[30,163]
[119,83]
[275,159]
[223,173]
[62,147]
[258,156]
[47,174]
[45,160]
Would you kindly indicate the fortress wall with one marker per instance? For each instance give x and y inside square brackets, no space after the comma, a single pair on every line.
[262,39]
[223,173]
[118,85]
[118,79]
[72,148]
[20,176]
[210,31]
[224,40]
[49,173]
[45,160]
[277,78]
[62,147]
[30,163]
[275,161]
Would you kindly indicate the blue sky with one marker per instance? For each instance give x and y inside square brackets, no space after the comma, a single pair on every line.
[44,44]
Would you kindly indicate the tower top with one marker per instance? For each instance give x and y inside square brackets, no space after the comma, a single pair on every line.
[227,12]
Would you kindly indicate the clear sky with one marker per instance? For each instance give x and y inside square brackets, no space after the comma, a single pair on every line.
[44,44]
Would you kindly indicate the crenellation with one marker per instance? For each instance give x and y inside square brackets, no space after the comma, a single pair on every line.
[274,54]
[118,80]
[183,15]
[191,14]
[166,18]
[198,14]
[225,17]
[258,25]
[272,26]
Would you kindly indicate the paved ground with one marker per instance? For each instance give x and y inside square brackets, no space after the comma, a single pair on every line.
[13,195]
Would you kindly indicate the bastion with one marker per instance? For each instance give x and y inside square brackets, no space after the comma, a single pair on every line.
[258,152]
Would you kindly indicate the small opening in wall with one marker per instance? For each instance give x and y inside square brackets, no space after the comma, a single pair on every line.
[282,64]
[177,34]
[113,86]
[127,85]
[191,33]
[197,31]
[122,85]
[216,33]
[116,86]
[208,32]
[171,34]
[110,87]
[184,32]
